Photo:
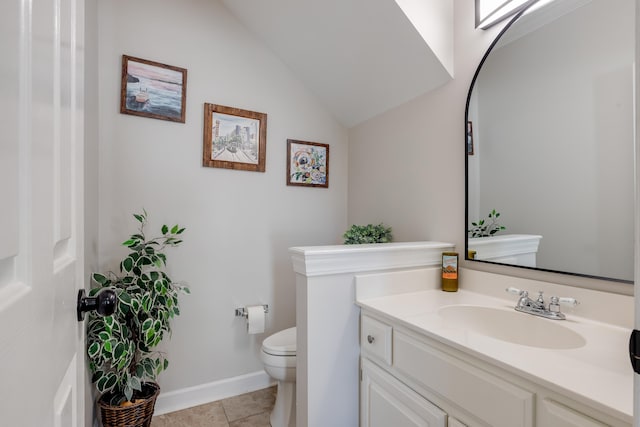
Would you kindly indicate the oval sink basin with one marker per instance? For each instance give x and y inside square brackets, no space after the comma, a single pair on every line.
[512,326]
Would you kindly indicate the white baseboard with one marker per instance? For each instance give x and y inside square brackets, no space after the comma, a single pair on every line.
[210,392]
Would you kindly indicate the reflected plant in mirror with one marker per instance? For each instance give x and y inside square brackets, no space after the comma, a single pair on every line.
[482,228]
[552,106]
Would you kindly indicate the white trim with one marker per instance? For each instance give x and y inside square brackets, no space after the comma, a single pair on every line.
[328,321]
[506,245]
[326,260]
[636,147]
[397,282]
[210,392]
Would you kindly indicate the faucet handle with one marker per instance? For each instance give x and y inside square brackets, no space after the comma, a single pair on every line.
[554,305]
[571,302]
[540,297]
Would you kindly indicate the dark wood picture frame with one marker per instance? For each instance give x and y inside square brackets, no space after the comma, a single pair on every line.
[307,164]
[144,81]
[234,138]
[470,138]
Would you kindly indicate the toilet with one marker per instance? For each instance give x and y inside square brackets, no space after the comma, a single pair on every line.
[278,355]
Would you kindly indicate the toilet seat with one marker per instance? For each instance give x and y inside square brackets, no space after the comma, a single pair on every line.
[282,343]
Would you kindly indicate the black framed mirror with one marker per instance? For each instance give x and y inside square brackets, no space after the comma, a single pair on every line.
[550,142]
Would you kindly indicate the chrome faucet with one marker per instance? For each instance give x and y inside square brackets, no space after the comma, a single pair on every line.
[537,307]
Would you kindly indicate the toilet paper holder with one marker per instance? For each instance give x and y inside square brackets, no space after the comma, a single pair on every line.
[242,311]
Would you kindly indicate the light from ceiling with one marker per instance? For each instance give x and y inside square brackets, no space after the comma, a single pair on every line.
[490,12]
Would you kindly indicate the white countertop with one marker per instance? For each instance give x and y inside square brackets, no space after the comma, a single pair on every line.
[597,374]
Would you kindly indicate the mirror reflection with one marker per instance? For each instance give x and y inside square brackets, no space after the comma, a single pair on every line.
[550,144]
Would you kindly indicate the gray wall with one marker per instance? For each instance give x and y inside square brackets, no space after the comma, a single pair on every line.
[406,167]
[239,224]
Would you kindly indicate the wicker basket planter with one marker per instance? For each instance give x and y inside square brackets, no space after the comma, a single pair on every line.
[136,415]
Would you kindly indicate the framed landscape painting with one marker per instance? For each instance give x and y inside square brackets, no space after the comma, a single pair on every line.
[234,138]
[307,163]
[151,89]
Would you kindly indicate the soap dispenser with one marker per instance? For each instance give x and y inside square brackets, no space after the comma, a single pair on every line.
[450,271]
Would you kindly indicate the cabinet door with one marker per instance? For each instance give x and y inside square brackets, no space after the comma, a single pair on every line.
[554,414]
[455,423]
[385,402]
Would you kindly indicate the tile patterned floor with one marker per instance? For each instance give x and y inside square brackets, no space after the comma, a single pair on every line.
[246,410]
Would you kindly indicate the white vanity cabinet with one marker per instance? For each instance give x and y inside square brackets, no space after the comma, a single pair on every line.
[555,414]
[411,379]
[386,402]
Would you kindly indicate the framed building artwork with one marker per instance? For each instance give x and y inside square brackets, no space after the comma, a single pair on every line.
[234,138]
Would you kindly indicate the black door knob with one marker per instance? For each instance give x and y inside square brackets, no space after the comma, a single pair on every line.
[104,303]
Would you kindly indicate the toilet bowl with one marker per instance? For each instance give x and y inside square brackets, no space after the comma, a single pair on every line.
[278,355]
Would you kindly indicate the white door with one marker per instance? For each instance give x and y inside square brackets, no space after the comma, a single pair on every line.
[636,377]
[41,185]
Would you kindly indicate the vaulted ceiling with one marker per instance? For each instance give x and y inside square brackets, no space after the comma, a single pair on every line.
[359,57]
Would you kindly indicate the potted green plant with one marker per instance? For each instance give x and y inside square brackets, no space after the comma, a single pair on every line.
[121,347]
[358,234]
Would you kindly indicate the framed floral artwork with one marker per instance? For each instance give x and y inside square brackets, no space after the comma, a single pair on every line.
[307,163]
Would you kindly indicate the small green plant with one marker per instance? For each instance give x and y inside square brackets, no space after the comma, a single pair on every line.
[120,346]
[358,234]
[487,228]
